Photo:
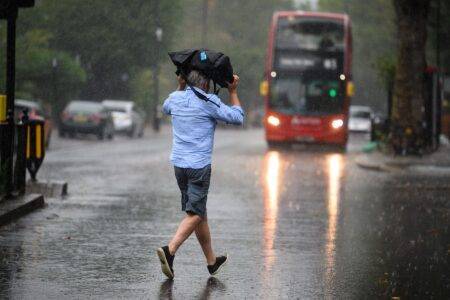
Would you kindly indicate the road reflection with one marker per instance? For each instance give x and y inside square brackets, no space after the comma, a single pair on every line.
[166,290]
[334,166]
[271,183]
[212,285]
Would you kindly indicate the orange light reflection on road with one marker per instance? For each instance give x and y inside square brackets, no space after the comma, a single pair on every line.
[335,168]
[271,183]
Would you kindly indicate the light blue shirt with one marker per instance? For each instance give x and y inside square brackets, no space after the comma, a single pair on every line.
[193,124]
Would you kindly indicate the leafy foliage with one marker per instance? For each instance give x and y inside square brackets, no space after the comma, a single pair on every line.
[99,46]
[113,39]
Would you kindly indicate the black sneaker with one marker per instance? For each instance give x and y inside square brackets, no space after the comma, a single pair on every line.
[166,261]
[217,266]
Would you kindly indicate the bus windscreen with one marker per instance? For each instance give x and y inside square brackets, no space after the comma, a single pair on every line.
[310,34]
[293,95]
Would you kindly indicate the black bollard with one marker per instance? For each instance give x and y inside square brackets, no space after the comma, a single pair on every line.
[35,149]
[20,168]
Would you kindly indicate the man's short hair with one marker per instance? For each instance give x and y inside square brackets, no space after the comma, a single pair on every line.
[197,79]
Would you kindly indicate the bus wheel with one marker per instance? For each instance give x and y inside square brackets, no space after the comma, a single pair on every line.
[341,148]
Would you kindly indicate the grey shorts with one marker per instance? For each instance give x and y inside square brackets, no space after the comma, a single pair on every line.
[194,186]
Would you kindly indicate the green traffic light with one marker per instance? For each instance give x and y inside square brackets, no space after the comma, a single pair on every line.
[332,93]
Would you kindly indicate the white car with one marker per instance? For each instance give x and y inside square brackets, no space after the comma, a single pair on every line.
[360,118]
[126,117]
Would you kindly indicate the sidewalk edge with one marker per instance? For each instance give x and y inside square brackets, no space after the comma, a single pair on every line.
[20,207]
[374,166]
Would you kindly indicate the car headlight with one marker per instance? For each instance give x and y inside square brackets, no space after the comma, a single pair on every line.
[274,121]
[337,123]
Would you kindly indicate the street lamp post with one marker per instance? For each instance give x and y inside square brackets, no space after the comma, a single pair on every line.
[156,113]
[55,85]
[438,35]
[439,80]
[205,23]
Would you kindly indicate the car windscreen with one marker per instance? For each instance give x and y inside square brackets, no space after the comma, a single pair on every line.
[84,107]
[294,95]
[20,108]
[360,114]
[116,109]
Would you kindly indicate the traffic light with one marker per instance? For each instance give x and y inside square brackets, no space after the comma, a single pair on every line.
[332,92]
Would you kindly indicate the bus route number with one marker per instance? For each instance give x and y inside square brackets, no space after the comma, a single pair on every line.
[330,64]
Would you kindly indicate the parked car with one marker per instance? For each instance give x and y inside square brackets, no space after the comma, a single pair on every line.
[86,117]
[360,118]
[127,118]
[35,112]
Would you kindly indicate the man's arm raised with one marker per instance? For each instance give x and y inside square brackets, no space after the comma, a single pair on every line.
[230,114]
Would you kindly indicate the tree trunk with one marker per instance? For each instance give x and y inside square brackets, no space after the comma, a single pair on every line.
[409,89]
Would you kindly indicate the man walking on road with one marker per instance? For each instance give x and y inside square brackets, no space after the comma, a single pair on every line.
[194,121]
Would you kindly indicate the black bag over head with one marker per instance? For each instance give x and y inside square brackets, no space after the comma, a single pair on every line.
[214,65]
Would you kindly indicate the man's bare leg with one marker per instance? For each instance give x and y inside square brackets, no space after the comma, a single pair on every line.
[185,229]
[204,238]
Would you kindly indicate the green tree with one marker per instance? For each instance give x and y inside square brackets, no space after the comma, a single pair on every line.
[45,73]
[35,75]
[113,39]
[142,89]
[409,89]
[100,46]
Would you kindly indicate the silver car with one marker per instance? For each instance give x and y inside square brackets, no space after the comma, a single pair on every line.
[126,117]
[360,118]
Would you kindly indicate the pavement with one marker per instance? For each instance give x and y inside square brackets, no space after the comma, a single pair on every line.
[438,161]
[301,223]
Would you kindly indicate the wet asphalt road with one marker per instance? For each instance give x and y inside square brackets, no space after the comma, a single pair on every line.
[297,224]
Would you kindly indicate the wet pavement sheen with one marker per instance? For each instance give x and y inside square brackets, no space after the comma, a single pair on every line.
[304,223]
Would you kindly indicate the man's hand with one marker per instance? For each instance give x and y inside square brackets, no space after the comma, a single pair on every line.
[181,83]
[232,87]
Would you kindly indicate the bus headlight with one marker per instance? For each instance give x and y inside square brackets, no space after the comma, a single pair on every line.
[337,123]
[274,121]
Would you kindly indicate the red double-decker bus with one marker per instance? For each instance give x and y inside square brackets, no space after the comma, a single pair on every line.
[308,85]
